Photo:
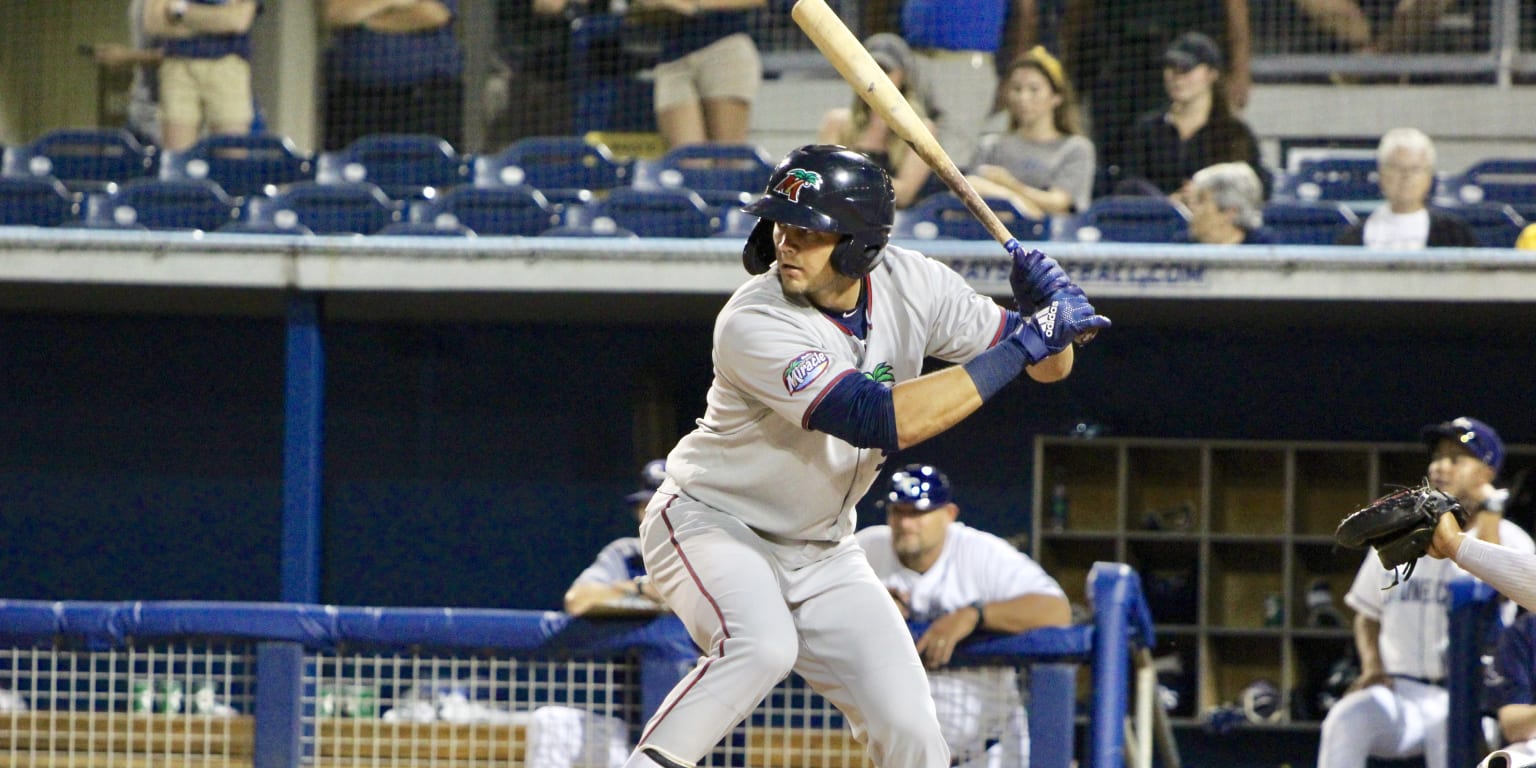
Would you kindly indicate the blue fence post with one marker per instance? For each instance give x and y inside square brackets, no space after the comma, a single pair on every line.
[303,421]
[1052,707]
[1473,609]
[279,705]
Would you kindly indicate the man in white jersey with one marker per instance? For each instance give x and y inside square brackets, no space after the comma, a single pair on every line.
[961,581]
[1398,706]
[818,376]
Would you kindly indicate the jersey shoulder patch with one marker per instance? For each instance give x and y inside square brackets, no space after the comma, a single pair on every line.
[805,369]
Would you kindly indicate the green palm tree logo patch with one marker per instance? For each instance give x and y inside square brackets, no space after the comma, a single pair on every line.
[881,374]
[796,180]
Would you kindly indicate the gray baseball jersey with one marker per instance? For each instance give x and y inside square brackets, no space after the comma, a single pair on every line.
[980,711]
[774,359]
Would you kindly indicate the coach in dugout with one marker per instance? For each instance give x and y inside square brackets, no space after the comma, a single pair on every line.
[962,581]
[1397,708]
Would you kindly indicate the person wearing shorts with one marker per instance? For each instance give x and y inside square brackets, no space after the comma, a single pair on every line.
[205,76]
[709,71]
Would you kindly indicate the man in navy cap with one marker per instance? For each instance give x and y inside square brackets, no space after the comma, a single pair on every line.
[1466,456]
[615,583]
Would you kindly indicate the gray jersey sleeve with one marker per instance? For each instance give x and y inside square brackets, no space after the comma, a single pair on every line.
[777,359]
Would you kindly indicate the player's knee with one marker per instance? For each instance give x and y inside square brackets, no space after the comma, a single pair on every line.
[906,730]
[1360,712]
[773,654]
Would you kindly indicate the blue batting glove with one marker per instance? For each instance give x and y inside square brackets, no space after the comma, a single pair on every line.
[1034,277]
[1065,317]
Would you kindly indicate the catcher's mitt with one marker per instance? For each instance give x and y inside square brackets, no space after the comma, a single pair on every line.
[1400,525]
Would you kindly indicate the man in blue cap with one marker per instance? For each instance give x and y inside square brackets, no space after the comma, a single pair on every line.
[615,584]
[1466,456]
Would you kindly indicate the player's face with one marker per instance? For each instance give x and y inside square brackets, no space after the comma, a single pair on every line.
[1453,469]
[805,267]
[918,535]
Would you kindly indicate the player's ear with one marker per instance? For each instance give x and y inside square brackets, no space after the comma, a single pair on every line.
[758,254]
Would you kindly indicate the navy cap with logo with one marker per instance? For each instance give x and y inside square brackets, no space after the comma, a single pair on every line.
[921,486]
[651,476]
[1192,49]
[1478,438]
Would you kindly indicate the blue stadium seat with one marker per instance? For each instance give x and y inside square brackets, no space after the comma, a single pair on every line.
[947,217]
[1133,219]
[724,202]
[84,159]
[405,165]
[729,167]
[603,227]
[658,212]
[37,201]
[439,228]
[282,225]
[245,165]
[1333,178]
[1497,225]
[163,204]
[1303,222]
[340,208]
[520,210]
[553,162]
[1497,180]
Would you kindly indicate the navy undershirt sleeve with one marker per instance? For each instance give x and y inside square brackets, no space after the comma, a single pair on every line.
[859,411]
[1011,322]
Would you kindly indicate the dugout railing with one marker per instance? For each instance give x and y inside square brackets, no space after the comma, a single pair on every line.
[279,685]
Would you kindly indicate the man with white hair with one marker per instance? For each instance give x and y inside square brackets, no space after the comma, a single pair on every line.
[1225,206]
[1406,161]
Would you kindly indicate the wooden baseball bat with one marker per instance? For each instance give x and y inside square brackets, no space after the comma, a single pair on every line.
[855,64]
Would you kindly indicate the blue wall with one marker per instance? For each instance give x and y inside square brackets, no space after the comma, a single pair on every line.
[484,465]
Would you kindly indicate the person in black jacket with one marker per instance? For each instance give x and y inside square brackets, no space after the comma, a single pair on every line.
[1166,147]
[1406,161]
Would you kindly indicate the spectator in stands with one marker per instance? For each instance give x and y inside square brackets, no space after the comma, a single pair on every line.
[534,45]
[709,71]
[1195,130]
[858,127]
[961,581]
[143,55]
[957,42]
[1405,159]
[393,66]
[615,584]
[205,75]
[1043,163]
[1116,48]
[1409,24]
[1226,206]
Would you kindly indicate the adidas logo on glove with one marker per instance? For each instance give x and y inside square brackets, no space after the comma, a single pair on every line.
[1045,320]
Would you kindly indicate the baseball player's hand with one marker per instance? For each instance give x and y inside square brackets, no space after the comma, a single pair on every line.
[1034,277]
[1447,538]
[1066,317]
[937,645]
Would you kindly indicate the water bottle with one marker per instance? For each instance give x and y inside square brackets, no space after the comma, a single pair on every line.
[1061,505]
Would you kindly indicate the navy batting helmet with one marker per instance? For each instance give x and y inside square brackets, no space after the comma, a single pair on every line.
[826,188]
[921,485]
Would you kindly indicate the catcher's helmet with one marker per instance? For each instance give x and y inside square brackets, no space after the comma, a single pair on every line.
[921,485]
[826,188]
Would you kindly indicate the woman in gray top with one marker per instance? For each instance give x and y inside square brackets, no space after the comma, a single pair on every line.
[1043,163]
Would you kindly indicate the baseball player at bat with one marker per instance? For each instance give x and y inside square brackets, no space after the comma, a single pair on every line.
[818,377]
[1397,707]
[961,581]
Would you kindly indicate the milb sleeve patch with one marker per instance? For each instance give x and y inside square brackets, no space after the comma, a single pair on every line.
[804,370]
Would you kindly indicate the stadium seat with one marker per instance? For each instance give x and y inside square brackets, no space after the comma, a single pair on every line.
[728,167]
[244,166]
[659,212]
[1497,180]
[1133,219]
[163,204]
[340,208]
[84,159]
[553,162]
[1333,178]
[405,166]
[600,227]
[1497,225]
[285,223]
[445,227]
[1304,222]
[520,210]
[724,202]
[944,215]
[36,201]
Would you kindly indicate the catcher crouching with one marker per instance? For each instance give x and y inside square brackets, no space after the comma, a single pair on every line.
[1397,707]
